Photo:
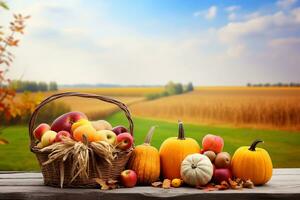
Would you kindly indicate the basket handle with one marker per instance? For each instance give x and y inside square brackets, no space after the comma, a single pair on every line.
[33,117]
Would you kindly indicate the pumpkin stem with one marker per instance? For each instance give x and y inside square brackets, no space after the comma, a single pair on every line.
[253,145]
[149,135]
[180,131]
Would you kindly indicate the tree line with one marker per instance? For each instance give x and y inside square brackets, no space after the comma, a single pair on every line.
[172,88]
[33,86]
[279,84]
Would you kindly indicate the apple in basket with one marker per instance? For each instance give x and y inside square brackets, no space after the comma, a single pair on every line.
[79,123]
[124,141]
[61,134]
[65,121]
[119,129]
[48,138]
[40,130]
[106,135]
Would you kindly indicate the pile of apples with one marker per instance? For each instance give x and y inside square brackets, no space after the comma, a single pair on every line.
[76,124]
[212,147]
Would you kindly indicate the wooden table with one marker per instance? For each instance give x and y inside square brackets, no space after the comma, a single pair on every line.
[285,184]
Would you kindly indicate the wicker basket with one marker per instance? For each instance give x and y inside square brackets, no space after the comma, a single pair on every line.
[51,172]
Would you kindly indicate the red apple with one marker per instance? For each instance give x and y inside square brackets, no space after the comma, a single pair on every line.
[61,134]
[212,142]
[40,130]
[119,129]
[222,175]
[65,121]
[124,141]
[128,178]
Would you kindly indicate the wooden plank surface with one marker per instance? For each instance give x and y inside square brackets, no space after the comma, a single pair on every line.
[285,184]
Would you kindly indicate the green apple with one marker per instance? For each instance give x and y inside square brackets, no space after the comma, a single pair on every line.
[110,136]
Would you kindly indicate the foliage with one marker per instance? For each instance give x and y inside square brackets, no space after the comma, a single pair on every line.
[22,86]
[171,88]
[24,106]
[8,106]
[53,86]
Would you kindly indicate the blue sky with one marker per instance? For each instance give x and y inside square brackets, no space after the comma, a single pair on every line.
[151,41]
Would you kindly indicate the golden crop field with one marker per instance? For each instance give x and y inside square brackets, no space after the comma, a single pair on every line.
[238,106]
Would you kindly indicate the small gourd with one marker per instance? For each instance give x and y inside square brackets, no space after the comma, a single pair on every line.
[172,152]
[145,161]
[252,163]
[196,170]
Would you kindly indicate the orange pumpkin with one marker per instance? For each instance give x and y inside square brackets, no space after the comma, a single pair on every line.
[252,163]
[145,161]
[173,151]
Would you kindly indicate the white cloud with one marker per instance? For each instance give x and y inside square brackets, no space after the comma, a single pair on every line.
[273,24]
[211,13]
[232,16]
[232,8]
[285,3]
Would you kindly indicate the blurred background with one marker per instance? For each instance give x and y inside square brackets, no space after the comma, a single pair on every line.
[229,68]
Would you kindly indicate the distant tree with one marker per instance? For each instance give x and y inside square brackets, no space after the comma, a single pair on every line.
[189,87]
[170,88]
[178,88]
[43,86]
[53,86]
[249,85]
[33,86]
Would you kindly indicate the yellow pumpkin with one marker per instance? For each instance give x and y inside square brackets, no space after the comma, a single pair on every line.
[173,151]
[145,161]
[252,163]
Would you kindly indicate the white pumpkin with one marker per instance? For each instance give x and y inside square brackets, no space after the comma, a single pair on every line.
[196,169]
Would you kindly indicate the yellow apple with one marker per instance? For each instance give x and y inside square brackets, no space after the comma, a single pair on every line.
[87,130]
[80,122]
[48,138]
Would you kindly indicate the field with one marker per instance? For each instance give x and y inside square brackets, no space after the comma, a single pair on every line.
[283,146]
[271,108]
